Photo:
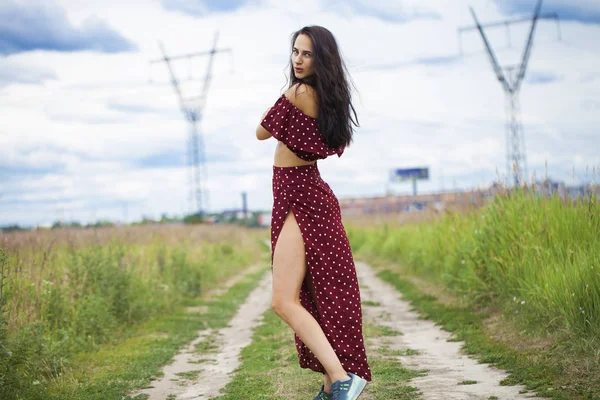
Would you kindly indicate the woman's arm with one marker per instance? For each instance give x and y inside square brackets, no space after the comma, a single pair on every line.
[262,133]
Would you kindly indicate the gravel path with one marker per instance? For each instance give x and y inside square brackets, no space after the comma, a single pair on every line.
[447,366]
[209,372]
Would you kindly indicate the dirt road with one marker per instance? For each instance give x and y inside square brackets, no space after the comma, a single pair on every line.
[194,375]
[450,374]
[448,369]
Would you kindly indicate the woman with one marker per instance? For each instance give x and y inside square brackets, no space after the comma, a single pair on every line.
[315,288]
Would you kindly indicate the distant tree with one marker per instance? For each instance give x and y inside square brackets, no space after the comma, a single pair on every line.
[71,224]
[103,224]
[11,228]
[145,221]
[165,219]
[193,219]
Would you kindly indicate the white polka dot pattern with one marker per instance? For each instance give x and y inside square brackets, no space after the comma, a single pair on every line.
[298,131]
[336,304]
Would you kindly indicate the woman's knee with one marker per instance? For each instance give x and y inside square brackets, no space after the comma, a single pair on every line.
[282,307]
[277,307]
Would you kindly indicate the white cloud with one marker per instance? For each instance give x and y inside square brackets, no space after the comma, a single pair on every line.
[12,72]
[34,25]
[448,116]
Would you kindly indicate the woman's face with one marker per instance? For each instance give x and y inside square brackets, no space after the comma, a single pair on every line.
[302,57]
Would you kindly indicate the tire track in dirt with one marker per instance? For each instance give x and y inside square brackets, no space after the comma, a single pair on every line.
[447,366]
[204,375]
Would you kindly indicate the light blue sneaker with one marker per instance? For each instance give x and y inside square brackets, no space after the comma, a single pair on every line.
[348,390]
[323,395]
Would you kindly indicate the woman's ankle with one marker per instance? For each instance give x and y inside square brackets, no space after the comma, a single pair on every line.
[339,377]
[327,384]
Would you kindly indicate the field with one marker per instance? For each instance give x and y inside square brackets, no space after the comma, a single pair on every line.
[97,313]
[523,272]
[68,292]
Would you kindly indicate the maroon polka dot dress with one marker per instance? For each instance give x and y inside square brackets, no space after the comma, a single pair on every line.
[336,302]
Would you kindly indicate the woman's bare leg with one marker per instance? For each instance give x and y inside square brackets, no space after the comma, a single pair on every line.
[327,383]
[289,270]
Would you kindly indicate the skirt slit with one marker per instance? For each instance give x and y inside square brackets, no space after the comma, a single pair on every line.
[329,291]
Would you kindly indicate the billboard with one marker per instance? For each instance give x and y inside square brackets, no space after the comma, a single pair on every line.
[409,174]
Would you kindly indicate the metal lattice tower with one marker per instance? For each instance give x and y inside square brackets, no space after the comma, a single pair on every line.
[192,109]
[511,79]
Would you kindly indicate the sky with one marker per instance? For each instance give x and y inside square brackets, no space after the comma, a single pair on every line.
[91,130]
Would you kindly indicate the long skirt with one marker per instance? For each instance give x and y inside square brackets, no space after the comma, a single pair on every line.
[330,290]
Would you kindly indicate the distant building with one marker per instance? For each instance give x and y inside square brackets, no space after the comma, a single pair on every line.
[549,187]
[264,219]
[408,203]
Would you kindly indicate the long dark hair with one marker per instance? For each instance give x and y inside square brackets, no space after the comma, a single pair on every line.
[332,84]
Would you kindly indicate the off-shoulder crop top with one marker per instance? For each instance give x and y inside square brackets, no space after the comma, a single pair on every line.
[298,131]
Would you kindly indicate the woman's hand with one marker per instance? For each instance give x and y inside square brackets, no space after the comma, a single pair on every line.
[265,114]
[262,133]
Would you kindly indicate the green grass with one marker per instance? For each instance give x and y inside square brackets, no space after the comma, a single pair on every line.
[66,298]
[402,352]
[530,264]
[207,345]
[189,375]
[114,371]
[371,330]
[537,256]
[535,369]
[138,355]
[270,370]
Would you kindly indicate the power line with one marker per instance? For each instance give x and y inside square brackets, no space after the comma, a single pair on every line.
[575,46]
[192,109]
[511,79]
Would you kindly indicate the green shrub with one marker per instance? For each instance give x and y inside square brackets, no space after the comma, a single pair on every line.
[77,297]
[539,257]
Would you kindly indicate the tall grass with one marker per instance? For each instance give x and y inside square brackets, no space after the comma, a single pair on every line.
[66,292]
[539,257]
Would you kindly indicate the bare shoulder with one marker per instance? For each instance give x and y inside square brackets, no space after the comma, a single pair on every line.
[305,98]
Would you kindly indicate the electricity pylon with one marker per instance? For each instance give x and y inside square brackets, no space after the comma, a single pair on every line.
[192,109]
[511,83]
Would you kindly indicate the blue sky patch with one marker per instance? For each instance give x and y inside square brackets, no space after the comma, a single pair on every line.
[27,28]
[364,8]
[566,10]
[20,172]
[201,8]
[131,108]
[541,77]
[38,203]
[437,60]
[167,159]
[425,61]
[175,158]
[22,74]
